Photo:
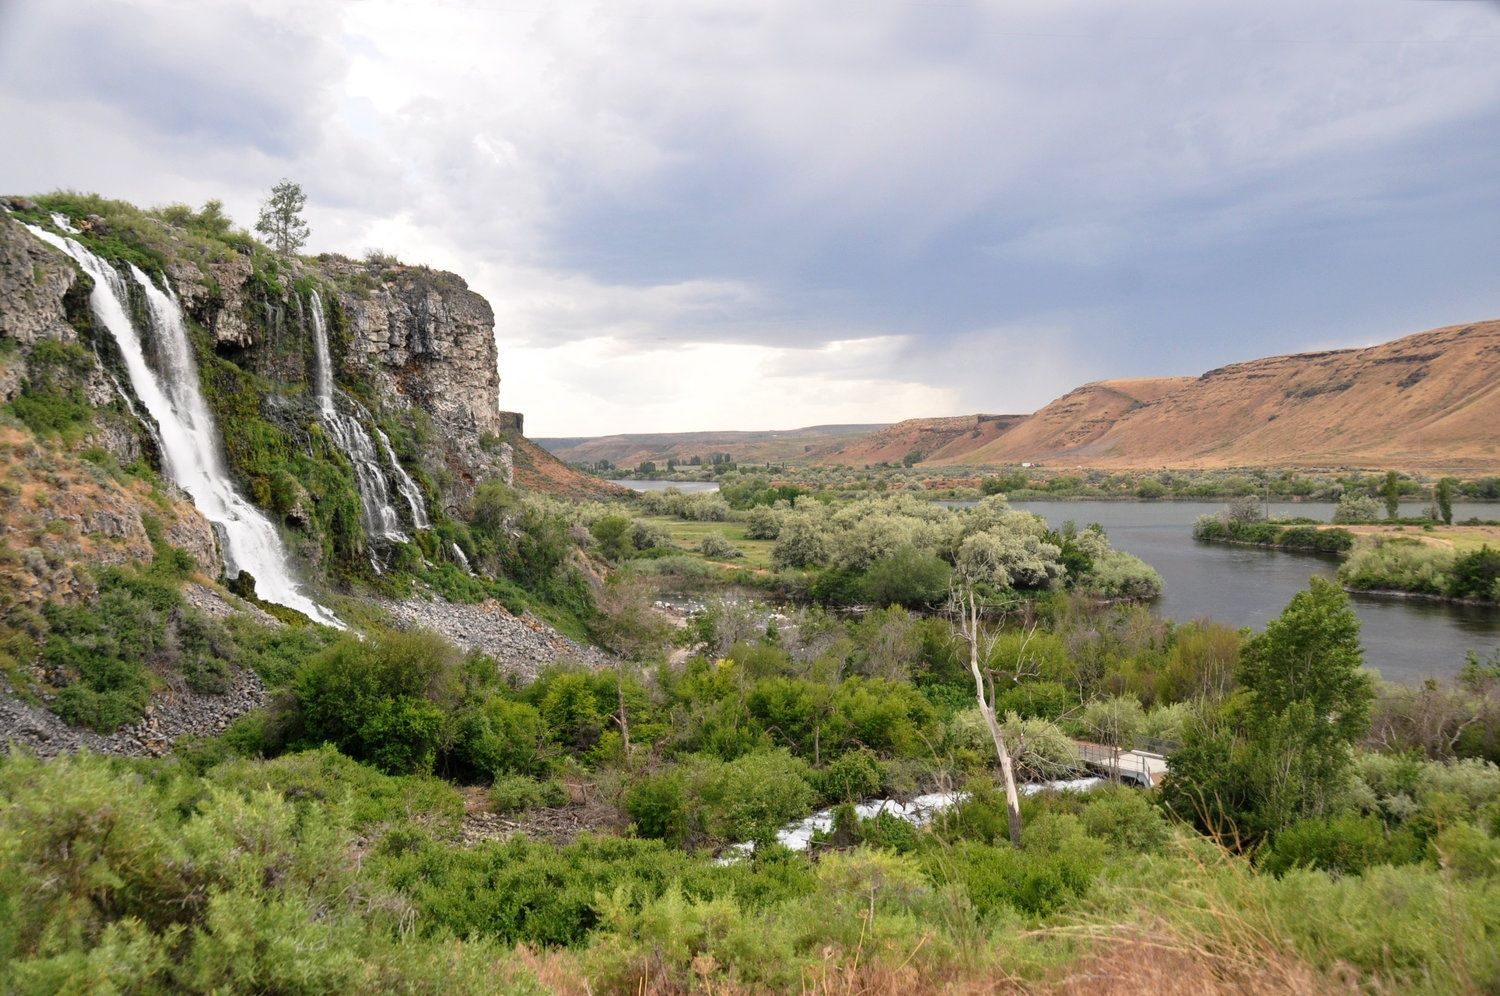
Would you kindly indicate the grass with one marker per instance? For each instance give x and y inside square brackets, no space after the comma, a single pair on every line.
[690,534]
[1460,539]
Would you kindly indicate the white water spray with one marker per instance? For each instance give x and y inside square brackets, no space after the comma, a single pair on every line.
[380,518]
[190,448]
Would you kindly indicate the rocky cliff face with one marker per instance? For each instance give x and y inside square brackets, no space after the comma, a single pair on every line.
[41,298]
[430,340]
[419,337]
[414,346]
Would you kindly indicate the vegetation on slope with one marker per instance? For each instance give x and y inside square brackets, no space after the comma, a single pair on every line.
[310,847]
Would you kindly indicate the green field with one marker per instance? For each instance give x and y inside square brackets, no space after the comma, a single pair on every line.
[689,534]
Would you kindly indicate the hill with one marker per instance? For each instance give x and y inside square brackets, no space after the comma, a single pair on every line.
[755,446]
[538,470]
[1426,401]
[933,438]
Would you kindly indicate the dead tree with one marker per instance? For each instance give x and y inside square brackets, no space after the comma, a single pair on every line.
[966,602]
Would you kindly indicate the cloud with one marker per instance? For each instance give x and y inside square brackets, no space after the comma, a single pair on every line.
[869,208]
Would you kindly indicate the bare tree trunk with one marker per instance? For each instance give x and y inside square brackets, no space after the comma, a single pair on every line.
[624,719]
[969,613]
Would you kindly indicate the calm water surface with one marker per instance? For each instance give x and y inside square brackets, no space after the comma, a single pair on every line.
[686,487]
[1246,586]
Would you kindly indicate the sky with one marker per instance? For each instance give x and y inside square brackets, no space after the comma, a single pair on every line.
[752,214]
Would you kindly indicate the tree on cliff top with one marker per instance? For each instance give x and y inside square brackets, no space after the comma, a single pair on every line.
[281,218]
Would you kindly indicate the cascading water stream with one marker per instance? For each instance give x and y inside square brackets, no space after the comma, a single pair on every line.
[380,518]
[190,446]
[405,484]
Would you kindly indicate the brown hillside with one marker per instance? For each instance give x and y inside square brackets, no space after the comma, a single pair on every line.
[932,437]
[1427,401]
[538,470]
[1071,423]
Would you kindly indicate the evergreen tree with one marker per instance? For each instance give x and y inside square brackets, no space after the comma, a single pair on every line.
[281,218]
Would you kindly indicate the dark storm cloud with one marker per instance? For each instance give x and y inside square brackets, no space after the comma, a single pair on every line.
[997,200]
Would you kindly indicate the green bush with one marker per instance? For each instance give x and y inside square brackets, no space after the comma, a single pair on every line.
[381,700]
[52,399]
[1476,575]
[1034,700]
[1319,540]
[659,807]
[851,777]
[752,797]
[499,737]
[1348,844]
[1000,879]
[107,650]
[1125,818]
[909,577]
[716,547]
[1398,564]
[612,533]
[514,793]
[889,717]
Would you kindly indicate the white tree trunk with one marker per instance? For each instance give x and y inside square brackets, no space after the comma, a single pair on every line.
[969,609]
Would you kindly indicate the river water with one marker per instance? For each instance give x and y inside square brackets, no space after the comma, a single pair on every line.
[686,487]
[1405,640]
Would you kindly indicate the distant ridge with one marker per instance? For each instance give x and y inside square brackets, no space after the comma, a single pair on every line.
[928,439]
[1429,401]
[754,446]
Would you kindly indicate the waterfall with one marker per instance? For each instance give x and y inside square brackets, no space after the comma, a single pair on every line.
[405,484]
[190,446]
[380,518]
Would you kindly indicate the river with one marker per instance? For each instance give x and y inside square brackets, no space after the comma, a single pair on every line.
[1405,640]
[686,487]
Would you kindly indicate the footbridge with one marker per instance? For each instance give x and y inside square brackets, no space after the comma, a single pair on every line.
[1145,768]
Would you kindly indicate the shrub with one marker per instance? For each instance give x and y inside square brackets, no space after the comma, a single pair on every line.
[752,797]
[1398,564]
[614,536]
[1036,700]
[1357,508]
[1475,575]
[1315,539]
[658,805]
[1126,818]
[762,523]
[570,710]
[1122,575]
[1001,879]
[513,793]
[909,577]
[851,777]
[716,547]
[105,650]
[1348,844]
[380,699]
[888,717]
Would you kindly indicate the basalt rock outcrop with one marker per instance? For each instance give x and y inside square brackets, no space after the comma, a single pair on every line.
[430,340]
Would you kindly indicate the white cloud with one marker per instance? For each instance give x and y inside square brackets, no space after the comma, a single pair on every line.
[568,389]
